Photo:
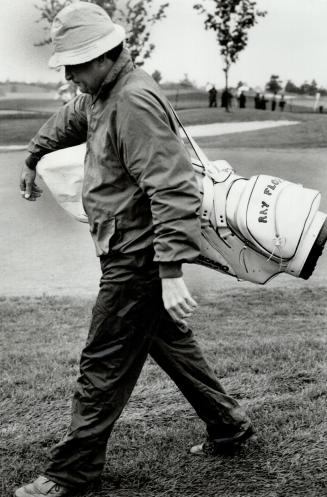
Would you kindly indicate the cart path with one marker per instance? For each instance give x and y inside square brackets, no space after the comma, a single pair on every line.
[44,251]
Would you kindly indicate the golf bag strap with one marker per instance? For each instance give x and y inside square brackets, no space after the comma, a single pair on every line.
[207,183]
[198,152]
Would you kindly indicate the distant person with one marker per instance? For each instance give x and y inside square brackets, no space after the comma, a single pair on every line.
[282,103]
[224,98]
[257,101]
[212,93]
[230,97]
[273,102]
[242,100]
[263,102]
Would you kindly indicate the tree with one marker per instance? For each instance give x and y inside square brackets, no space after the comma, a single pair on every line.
[137,16]
[274,84]
[290,87]
[313,90]
[305,88]
[309,88]
[231,20]
[186,82]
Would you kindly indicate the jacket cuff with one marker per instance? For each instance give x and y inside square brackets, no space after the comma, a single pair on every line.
[31,161]
[170,270]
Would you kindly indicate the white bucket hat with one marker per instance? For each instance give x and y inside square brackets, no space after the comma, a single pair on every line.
[81,32]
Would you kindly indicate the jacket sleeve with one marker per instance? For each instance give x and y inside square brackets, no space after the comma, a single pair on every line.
[67,127]
[154,154]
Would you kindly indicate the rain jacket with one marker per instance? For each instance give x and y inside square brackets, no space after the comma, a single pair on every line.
[139,186]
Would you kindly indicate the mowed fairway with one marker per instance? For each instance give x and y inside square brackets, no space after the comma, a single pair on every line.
[267,344]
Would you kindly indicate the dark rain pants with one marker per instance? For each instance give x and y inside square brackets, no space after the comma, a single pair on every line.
[128,322]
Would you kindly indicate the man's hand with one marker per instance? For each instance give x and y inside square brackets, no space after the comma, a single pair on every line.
[28,189]
[177,299]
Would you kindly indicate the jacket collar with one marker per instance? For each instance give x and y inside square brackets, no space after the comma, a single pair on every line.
[122,66]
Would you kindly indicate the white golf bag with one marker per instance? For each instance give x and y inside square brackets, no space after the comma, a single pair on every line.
[256,228]
[252,229]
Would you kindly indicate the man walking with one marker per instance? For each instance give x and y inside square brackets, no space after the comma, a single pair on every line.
[212,96]
[142,202]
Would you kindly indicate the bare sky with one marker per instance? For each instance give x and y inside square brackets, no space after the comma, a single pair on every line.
[291,42]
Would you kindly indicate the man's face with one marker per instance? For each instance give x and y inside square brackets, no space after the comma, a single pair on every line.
[88,77]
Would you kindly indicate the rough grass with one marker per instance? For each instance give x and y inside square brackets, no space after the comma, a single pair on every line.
[268,347]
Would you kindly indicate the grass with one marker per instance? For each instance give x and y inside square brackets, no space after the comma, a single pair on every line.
[20,128]
[267,346]
[19,131]
[310,132]
[29,104]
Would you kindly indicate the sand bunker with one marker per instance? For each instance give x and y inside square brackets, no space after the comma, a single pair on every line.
[216,129]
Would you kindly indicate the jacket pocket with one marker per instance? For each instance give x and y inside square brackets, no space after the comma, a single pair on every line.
[102,232]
